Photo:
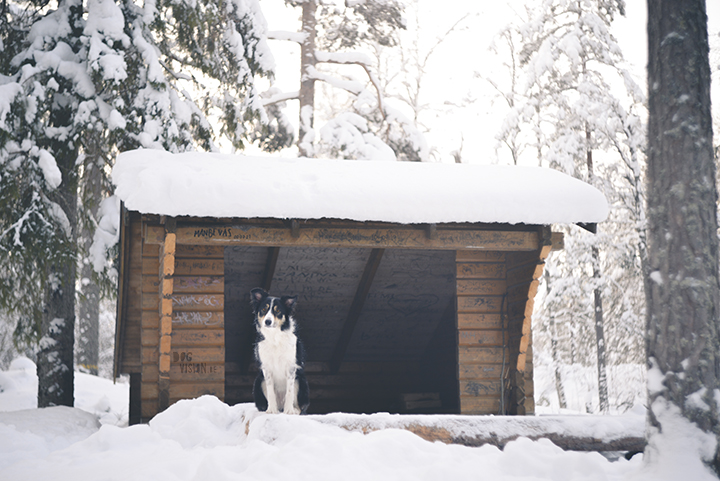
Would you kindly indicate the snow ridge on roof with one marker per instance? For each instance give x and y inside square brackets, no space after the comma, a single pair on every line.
[220,185]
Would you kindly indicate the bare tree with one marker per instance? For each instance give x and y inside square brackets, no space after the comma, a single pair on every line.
[682,289]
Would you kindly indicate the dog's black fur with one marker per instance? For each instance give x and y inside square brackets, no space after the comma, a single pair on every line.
[279,354]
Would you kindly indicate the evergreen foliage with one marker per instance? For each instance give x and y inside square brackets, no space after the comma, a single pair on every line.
[81,81]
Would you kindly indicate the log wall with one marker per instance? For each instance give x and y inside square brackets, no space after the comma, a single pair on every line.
[494,309]
[183,357]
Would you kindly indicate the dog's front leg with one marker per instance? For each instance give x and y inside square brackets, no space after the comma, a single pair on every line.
[270,393]
[291,395]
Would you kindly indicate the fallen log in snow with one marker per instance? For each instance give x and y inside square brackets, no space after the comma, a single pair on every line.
[569,432]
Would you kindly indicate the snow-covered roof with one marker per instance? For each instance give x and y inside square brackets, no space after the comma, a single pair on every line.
[217,185]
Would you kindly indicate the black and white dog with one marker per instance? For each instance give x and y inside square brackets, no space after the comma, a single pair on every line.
[280,385]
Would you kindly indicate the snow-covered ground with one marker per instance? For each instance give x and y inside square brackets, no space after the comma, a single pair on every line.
[207,439]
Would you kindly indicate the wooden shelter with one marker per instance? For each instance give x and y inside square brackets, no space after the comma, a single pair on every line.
[396,317]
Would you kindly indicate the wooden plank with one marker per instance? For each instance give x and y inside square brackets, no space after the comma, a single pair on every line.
[481,337]
[481,287]
[479,256]
[195,319]
[361,293]
[488,304]
[481,371]
[197,371]
[198,337]
[479,405]
[196,389]
[199,284]
[476,270]
[198,302]
[477,387]
[479,321]
[480,355]
[524,274]
[355,237]
[199,252]
[212,354]
[166,258]
[198,267]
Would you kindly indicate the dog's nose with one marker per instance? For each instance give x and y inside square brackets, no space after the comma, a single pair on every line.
[268,322]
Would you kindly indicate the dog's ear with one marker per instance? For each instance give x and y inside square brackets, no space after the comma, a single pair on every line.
[289,303]
[256,297]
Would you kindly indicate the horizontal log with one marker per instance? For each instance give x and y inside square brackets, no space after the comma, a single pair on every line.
[198,337]
[584,433]
[480,287]
[481,371]
[199,267]
[213,354]
[479,256]
[476,270]
[479,387]
[481,337]
[198,302]
[352,237]
[480,355]
[476,320]
[197,371]
[199,284]
[200,252]
[198,319]
[476,405]
[488,304]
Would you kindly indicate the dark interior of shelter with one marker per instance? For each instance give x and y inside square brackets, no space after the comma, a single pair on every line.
[378,325]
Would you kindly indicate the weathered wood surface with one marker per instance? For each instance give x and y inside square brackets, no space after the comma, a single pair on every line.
[446,239]
[575,433]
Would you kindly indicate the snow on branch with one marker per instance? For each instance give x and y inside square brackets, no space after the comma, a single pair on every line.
[297,37]
[350,85]
[352,58]
[280,97]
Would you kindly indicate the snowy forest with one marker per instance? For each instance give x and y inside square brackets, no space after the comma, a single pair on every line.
[83,80]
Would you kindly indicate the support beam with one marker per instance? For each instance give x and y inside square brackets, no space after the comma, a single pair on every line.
[381,238]
[167,271]
[270,265]
[361,293]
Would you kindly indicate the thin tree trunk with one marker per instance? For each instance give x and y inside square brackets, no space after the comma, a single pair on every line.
[307,83]
[683,290]
[89,298]
[597,300]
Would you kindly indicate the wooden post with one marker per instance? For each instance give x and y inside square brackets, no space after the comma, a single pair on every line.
[167,270]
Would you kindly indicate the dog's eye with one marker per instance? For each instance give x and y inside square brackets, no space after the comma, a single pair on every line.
[275,309]
[263,309]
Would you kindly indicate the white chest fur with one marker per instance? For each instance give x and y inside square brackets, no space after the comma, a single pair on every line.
[278,361]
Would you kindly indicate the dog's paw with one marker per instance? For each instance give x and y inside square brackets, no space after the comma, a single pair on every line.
[272,410]
[291,410]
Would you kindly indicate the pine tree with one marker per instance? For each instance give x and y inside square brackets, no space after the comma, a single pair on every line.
[683,289]
[365,126]
[567,109]
[80,83]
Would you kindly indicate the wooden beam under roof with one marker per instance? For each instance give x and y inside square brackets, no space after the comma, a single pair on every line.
[403,237]
[270,265]
[356,307]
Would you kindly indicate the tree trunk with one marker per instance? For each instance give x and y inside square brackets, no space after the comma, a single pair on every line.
[306,135]
[89,298]
[597,298]
[683,292]
[55,357]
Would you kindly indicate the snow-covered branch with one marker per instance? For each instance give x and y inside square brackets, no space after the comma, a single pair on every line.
[352,58]
[281,97]
[297,37]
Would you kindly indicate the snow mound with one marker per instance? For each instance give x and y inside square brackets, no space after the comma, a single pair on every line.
[217,185]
